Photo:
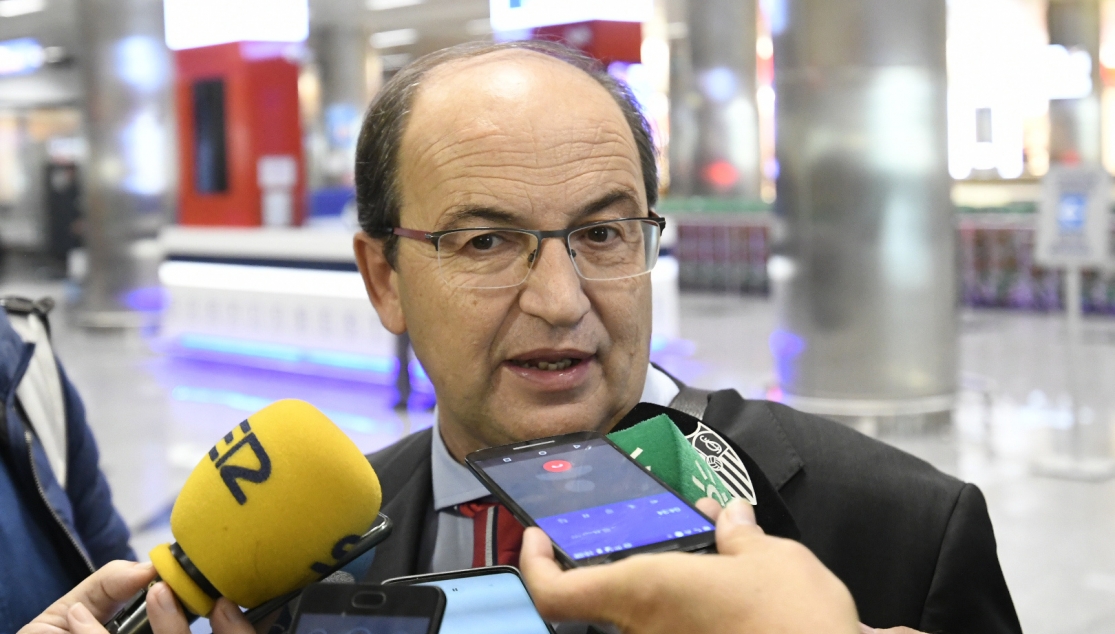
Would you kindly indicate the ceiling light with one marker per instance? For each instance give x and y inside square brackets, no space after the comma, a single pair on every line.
[383,5]
[20,56]
[190,23]
[393,39]
[12,8]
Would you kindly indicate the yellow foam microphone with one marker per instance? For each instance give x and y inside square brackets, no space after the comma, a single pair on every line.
[271,508]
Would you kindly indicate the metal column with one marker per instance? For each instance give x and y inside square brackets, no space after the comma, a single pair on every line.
[714,130]
[126,76]
[1074,124]
[864,270]
[342,55]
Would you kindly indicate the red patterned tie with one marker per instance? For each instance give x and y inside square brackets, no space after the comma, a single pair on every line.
[497,536]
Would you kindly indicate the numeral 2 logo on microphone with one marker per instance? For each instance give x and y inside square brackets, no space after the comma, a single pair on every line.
[231,474]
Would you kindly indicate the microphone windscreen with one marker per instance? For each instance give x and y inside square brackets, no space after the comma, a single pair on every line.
[273,505]
[658,445]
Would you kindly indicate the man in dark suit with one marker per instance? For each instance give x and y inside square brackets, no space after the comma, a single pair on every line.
[505,194]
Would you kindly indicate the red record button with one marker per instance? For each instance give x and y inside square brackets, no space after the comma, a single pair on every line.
[557,466]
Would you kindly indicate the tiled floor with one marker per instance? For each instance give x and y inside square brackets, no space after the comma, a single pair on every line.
[155,417]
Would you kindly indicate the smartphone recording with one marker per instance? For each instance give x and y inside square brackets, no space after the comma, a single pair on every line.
[594,502]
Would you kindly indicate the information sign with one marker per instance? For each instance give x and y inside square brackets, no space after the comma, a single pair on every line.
[1073,223]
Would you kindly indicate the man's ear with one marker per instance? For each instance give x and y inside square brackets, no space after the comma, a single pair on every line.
[380,280]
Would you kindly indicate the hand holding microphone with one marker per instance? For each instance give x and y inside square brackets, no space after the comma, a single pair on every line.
[276,504]
[101,594]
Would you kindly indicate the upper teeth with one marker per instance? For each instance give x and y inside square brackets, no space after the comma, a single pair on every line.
[547,365]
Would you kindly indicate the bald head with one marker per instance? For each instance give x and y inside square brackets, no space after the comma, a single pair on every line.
[517,134]
[539,80]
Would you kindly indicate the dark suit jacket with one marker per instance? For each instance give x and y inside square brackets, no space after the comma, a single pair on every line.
[914,546]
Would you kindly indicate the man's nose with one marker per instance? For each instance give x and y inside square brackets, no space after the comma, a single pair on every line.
[553,289]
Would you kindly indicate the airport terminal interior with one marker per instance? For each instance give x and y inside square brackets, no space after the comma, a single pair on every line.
[899,219]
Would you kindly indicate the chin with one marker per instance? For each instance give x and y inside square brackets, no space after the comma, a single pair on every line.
[555,420]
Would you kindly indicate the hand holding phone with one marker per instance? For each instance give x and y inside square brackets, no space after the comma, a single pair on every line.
[594,501]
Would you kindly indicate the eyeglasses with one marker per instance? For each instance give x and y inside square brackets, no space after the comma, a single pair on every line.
[493,257]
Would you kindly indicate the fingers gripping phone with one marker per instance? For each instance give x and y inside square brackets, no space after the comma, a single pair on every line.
[490,600]
[338,608]
[595,502]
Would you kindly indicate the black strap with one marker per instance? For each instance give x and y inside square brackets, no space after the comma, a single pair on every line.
[692,401]
[193,573]
[16,305]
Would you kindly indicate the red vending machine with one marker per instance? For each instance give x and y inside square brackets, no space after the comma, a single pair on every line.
[604,40]
[240,137]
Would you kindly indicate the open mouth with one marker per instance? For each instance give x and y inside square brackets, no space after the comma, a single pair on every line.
[555,365]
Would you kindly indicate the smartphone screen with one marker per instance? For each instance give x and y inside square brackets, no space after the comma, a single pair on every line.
[485,603]
[590,498]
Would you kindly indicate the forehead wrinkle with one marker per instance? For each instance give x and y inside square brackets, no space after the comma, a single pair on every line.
[495,141]
[522,187]
[471,160]
[468,153]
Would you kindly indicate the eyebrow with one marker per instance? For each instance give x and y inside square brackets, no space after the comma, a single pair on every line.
[500,217]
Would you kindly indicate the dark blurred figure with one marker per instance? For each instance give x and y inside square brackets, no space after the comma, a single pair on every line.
[57,521]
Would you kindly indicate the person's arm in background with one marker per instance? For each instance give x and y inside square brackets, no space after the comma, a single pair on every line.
[101,528]
[756,584]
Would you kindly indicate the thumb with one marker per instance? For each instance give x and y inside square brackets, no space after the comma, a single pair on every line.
[735,527]
[592,593]
[82,621]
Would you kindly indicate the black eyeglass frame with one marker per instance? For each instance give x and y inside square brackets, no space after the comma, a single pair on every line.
[434,237]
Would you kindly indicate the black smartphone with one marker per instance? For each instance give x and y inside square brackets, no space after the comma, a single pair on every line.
[356,608]
[593,500]
[491,600]
[380,530]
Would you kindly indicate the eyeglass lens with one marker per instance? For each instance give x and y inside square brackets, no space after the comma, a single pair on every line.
[500,258]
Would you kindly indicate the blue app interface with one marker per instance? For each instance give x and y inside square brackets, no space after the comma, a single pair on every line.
[311,623]
[488,604]
[591,500]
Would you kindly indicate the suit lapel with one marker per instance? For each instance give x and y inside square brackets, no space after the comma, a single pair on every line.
[752,425]
[408,492]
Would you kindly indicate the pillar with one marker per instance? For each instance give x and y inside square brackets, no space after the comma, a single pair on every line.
[125,73]
[1074,124]
[342,56]
[864,272]
[714,137]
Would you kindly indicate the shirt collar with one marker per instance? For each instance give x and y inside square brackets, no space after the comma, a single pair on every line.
[453,482]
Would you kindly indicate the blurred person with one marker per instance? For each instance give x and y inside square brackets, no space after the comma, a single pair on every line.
[474,166]
[57,521]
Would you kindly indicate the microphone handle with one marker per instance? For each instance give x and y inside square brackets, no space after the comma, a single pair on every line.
[132,618]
